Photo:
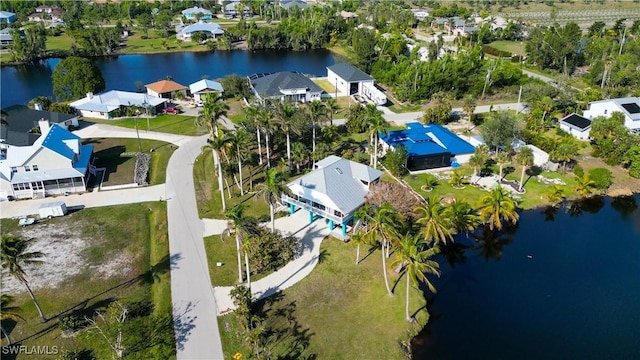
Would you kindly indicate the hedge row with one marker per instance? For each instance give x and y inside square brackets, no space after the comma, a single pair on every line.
[495,52]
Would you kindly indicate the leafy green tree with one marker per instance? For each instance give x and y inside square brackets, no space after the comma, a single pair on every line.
[8,312]
[611,139]
[29,45]
[396,160]
[356,119]
[565,152]
[500,129]
[415,257]
[235,86]
[439,111]
[363,42]
[498,206]
[432,217]
[74,77]
[14,255]
[44,102]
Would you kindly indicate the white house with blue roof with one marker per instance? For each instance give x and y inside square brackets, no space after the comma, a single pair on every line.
[204,86]
[211,30]
[56,163]
[428,146]
[7,17]
[114,103]
[333,191]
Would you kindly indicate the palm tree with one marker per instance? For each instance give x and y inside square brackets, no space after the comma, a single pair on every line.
[252,114]
[525,159]
[457,179]
[299,154]
[243,226]
[496,207]
[266,122]
[462,217]
[216,145]
[377,124]
[584,185]
[333,107]
[239,142]
[286,114]
[436,227]
[381,226]
[430,181]
[14,256]
[213,109]
[555,194]
[476,161]
[8,312]
[469,106]
[272,190]
[416,261]
[565,152]
[502,159]
[317,112]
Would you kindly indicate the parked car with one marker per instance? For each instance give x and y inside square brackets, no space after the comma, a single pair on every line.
[171,110]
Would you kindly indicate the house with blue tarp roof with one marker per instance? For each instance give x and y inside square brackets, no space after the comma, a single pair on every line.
[428,146]
[56,163]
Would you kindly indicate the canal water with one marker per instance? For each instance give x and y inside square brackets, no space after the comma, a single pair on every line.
[560,285]
[19,84]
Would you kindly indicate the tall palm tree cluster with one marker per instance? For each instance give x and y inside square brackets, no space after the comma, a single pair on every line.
[415,240]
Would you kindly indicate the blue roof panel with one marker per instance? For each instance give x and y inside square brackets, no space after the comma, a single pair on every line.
[429,139]
[55,141]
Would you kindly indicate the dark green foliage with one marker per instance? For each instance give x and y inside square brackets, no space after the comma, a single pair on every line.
[495,52]
[396,160]
[77,355]
[356,119]
[612,140]
[74,77]
[71,322]
[138,309]
[500,129]
[578,171]
[270,251]
[235,86]
[363,42]
[44,101]
[556,47]
[29,45]
[601,178]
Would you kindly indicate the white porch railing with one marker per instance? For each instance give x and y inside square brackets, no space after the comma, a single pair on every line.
[308,207]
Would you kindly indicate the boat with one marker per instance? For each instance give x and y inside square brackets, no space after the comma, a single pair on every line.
[26,221]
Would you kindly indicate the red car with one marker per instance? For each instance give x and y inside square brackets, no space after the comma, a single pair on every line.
[171,110]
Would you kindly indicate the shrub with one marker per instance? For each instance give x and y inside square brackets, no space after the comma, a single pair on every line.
[601,178]
[634,169]
[396,161]
[137,309]
[71,323]
[578,171]
[495,52]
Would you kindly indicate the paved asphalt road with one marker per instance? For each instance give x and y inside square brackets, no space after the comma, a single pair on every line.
[194,306]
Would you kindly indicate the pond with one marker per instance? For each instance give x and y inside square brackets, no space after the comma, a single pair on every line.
[19,84]
[562,284]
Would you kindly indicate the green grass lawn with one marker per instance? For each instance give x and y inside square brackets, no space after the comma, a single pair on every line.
[326,86]
[168,123]
[137,232]
[135,44]
[514,47]
[340,311]
[120,169]
[399,108]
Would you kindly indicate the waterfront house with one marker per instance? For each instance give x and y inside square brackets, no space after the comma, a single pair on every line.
[428,146]
[211,30]
[285,86]
[22,124]
[114,103]
[7,17]
[334,190]
[46,13]
[56,163]
[350,80]
[166,89]
[5,38]
[197,13]
[576,125]
[629,107]
[205,86]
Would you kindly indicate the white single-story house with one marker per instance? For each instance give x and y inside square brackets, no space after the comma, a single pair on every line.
[7,17]
[285,85]
[540,157]
[21,127]
[231,10]
[47,13]
[204,86]
[350,80]
[212,30]
[420,14]
[195,12]
[334,190]
[465,30]
[166,89]
[629,107]
[113,103]
[56,163]
[5,37]
[576,125]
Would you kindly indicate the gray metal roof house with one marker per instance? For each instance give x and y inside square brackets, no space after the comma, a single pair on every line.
[334,190]
[22,129]
[285,86]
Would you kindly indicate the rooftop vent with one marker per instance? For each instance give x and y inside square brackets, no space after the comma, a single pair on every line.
[339,171]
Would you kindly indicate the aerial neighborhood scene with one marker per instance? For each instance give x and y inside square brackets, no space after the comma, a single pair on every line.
[315,179]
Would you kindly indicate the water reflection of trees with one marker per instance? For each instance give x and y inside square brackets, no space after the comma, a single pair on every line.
[625,205]
[591,205]
[489,243]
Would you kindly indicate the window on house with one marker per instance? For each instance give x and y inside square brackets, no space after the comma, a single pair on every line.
[14,170]
[34,167]
[27,168]
[605,111]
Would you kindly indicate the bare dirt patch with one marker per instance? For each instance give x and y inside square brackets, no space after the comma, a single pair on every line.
[64,248]
[623,184]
